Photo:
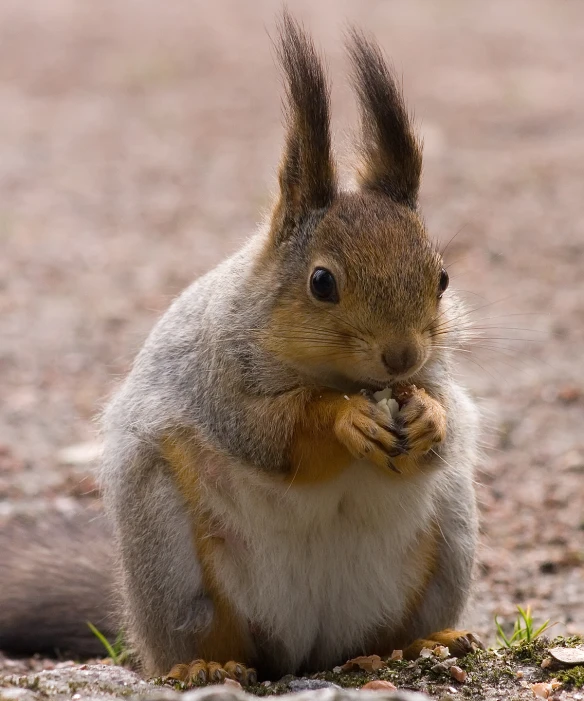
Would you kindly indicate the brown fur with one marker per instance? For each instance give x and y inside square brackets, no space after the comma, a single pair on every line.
[227,638]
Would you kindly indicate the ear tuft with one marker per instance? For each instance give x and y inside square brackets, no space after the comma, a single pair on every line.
[307,173]
[391,153]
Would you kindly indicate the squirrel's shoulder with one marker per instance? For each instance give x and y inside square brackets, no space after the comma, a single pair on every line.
[181,349]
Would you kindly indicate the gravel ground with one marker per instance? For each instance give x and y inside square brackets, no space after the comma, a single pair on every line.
[138,144]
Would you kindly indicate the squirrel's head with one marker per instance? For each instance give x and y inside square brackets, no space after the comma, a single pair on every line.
[357,285]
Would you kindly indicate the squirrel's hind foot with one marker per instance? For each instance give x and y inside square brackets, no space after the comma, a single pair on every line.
[203,672]
[459,642]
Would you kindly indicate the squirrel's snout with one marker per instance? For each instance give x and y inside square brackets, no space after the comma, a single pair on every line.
[401,358]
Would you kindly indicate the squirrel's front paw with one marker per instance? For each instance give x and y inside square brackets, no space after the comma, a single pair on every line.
[368,432]
[424,422]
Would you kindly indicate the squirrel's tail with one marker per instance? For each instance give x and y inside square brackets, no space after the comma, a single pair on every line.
[56,576]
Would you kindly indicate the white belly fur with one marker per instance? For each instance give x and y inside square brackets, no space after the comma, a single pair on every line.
[320,567]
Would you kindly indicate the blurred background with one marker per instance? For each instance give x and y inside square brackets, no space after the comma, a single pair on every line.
[138,146]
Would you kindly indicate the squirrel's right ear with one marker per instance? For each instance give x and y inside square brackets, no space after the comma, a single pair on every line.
[307,173]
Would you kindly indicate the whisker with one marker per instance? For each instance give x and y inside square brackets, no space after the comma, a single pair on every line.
[347,324]
[455,261]
[443,251]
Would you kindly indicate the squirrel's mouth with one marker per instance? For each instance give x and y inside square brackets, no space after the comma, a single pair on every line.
[353,386]
[373,385]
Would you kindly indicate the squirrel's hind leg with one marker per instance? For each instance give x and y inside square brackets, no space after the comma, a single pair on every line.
[450,584]
[447,553]
[175,610]
[166,608]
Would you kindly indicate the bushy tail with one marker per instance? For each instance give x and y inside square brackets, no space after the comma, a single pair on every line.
[56,574]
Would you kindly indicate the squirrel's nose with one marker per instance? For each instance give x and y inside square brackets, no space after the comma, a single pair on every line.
[400,358]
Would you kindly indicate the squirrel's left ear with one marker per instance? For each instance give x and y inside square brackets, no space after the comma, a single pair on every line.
[391,152]
[307,173]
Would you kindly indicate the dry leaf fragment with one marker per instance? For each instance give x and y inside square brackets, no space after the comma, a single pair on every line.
[541,690]
[425,652]
[567,655]
[368,663]
[379,685]
[459,674]
[546,662]
[397,655]
[544,690]
[232,682]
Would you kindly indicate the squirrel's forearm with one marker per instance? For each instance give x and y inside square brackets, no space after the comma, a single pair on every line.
[290,436]
[315,453]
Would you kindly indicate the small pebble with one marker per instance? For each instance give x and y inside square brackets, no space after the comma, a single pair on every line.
[459,674]
[232,682]
[379,685]
[445,665]
[305,684]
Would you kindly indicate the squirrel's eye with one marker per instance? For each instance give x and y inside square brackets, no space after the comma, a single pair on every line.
[444,279]
[323,285]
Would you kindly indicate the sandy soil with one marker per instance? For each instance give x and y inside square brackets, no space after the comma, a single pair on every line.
[138,144]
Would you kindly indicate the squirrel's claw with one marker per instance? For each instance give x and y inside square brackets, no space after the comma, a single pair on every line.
[458,642]
[202,672]
[423,423]
[364,430]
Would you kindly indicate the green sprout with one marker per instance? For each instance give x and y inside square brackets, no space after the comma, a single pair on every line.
[116,652]
[524,630]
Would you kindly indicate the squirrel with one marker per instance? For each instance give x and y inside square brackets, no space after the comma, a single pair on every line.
[268,516]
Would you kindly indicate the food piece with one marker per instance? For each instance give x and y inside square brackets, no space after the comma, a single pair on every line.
[386,402]
[392,399]
[403,393]
[441,652]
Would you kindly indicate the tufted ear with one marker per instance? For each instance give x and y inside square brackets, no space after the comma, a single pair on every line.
[307,174]
[390,151]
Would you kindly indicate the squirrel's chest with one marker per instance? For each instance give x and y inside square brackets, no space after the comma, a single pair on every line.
[320,567]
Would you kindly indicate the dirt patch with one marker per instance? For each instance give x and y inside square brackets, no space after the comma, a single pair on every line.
[523,672]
